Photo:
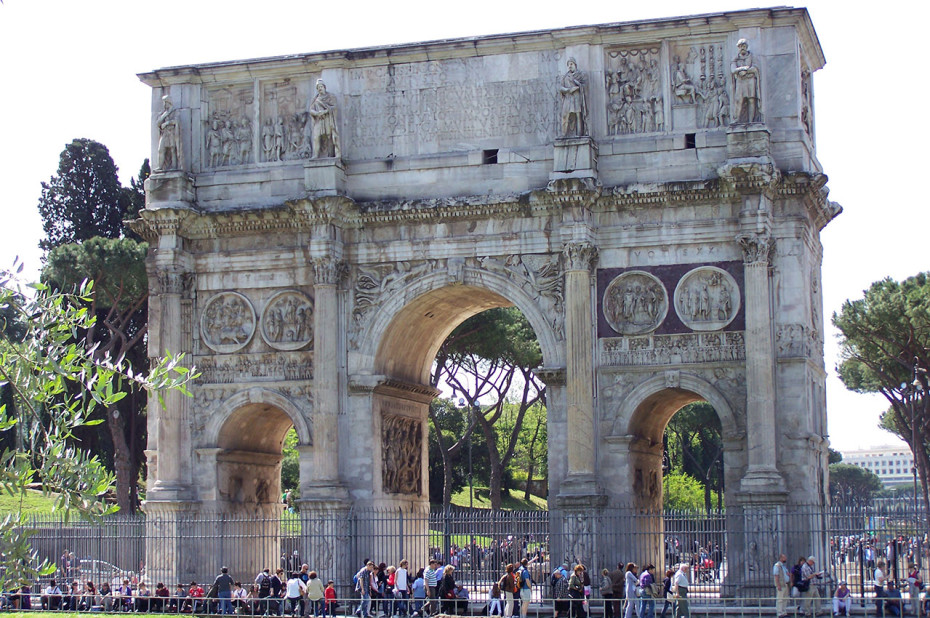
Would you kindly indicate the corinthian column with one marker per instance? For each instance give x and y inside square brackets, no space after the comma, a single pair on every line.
[327,273]
[579,258]
[762,473]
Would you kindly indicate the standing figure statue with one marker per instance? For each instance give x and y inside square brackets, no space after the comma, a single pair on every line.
[323,111]
[168,138]
[746,95]
[574,105]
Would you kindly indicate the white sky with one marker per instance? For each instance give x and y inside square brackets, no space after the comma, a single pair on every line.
[68,69]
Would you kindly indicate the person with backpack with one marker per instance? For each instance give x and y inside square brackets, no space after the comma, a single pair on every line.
[798,583]
[362,581]
[263,581]
[509,587]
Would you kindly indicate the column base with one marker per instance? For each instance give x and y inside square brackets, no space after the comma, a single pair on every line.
[322,493]
[580,491]
[169,493]
[764,481]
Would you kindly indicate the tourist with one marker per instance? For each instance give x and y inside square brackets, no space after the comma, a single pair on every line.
[240,598]
[494,600]
[811,596]
[647,585]
[618,579]
[363,586]
[667,593]
[447,590]
[224,584]
[631,583]
[402,587]
[275,604]
[576,593]
[295,588]
[894,604]
[562,600]
[263,580]
[782,579]
[509,586]
[526,587]
[315,593]
[607,591]
[142,598]
[431,584]
[841,600]
[419,593]
[330,604]
[160,600]
[680,584]
[51,597]
[461,600]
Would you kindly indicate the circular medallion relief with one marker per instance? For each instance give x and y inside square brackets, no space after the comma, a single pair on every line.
[227,322]
[635,303]
[287,321]
[707,298]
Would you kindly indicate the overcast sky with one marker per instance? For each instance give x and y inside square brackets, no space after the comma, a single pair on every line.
[69,68]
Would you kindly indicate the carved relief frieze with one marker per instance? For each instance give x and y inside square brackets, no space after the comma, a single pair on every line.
[227,322]
[634,91]
[635,303]
[269,367]
[287,321]
[372,283]
[286,129]
[807,103]
[674,349]
[539,275]
[707,298]
[402,454]
[227,133]
[793,340]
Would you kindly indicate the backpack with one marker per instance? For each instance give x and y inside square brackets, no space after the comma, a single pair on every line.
[799,582]
[264,585]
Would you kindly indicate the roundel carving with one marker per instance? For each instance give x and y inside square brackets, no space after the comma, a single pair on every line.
[287,321]
[635,303]
[707,298]
[227,322]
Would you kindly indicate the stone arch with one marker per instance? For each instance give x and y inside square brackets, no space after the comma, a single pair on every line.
[646,410]
[418,317]
[238,415]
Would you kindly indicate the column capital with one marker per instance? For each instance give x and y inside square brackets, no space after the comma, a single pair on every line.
[579,256]
[756,247]
[329,271]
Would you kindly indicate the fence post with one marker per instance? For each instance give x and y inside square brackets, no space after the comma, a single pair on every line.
[400,514]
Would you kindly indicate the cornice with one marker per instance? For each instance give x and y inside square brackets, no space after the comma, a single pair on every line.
[306,214]
[539,40]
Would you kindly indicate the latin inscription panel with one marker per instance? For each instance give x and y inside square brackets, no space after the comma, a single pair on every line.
[458,104]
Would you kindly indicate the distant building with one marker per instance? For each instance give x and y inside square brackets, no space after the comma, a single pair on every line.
[892,464]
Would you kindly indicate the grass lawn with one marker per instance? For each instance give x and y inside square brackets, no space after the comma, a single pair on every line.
[512,500]
[33,503]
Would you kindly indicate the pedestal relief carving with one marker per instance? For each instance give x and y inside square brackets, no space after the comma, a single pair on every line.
[634,92]
[747,97]
[228,138]
[227,322]
[707,299]
[635,303]
[574,109]
[402,454]
[287,321]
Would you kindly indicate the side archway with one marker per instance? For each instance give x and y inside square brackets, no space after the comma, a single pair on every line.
[254,419]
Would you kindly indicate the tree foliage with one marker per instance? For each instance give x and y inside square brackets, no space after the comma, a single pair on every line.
[84,199]
[56,385]
[490,358]
[885,349]
[682,492]
[851,484]
[694,447]
[119,301]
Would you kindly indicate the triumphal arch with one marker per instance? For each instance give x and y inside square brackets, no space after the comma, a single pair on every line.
[647,194]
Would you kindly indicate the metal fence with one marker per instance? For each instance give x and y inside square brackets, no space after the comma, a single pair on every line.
[731,552]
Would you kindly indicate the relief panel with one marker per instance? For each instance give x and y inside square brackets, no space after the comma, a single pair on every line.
[402,455]
[699,85]
[287,321]
[635,303]
[707,299]
[285,126]
[227,322]
[228,131]
[634,91]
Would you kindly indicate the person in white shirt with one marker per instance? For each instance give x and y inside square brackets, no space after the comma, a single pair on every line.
[296,589]
[782,578]
[879,579]
[680,584]
[841,600]
[402,588]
